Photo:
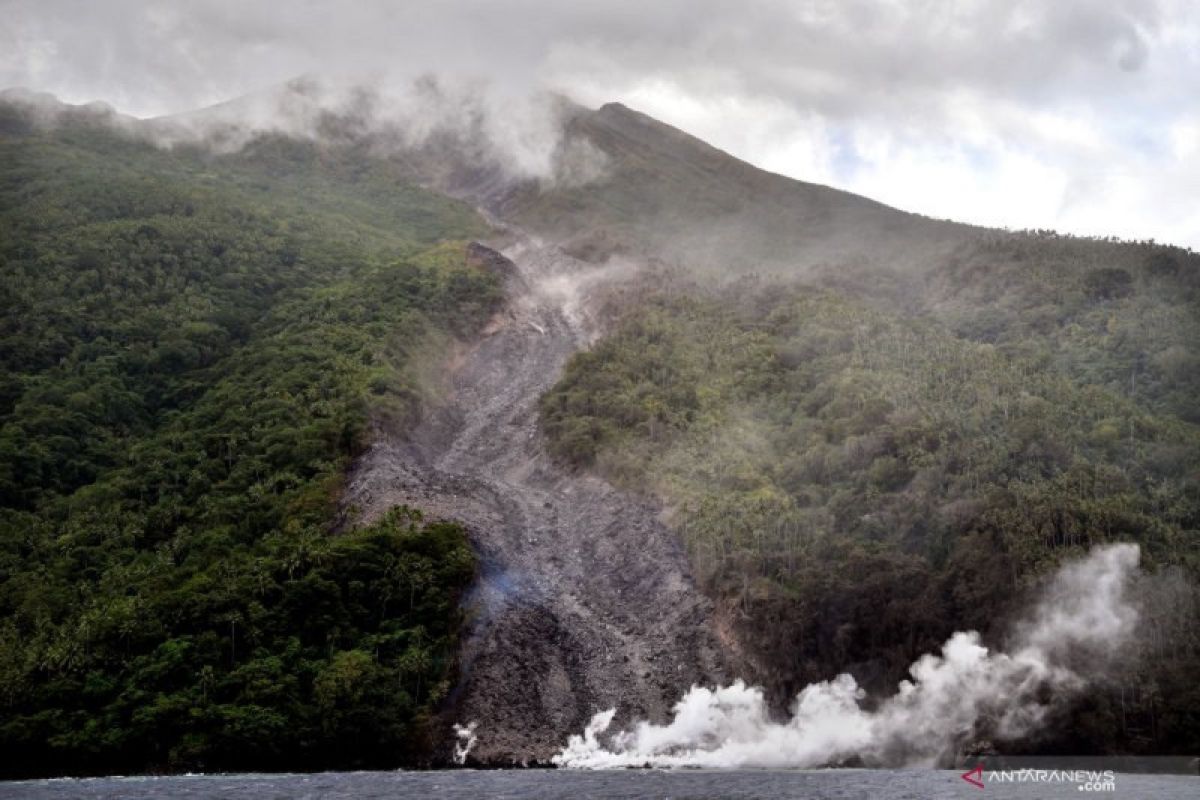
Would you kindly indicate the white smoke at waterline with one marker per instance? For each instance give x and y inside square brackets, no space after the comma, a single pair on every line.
[466,739]
[1082,620]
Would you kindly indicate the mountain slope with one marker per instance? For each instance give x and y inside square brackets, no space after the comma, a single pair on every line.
[838,407]
[661,191]
[569,565]
[853,486]
[192,349]
[1107,312]
[899,428]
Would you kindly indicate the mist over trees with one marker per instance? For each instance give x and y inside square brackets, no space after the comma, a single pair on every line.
[859,471]
[192,350]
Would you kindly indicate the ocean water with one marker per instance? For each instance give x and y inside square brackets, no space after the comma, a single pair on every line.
[586,785]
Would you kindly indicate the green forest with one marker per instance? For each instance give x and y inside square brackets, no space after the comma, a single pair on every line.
[191,350]
[855,479]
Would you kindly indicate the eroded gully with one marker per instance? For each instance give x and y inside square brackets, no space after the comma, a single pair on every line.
[584,601]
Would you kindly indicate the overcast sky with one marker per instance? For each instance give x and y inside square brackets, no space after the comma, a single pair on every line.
[1070,114]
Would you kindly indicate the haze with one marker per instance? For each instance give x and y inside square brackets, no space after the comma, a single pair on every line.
[1079,116]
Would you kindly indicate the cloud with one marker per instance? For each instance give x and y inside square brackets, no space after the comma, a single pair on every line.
[1071,114]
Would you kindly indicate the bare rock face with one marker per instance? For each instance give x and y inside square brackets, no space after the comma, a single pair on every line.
[585,601]
[485,258]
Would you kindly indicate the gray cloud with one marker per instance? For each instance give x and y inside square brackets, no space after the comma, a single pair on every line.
[867,94]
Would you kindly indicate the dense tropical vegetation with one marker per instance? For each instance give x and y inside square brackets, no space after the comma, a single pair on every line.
[192,347]
[855,483]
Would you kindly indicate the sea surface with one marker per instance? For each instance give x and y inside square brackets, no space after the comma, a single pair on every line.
[581,785]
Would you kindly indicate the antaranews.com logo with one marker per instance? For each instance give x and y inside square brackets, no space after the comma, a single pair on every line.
[1088,774]
[1085,780]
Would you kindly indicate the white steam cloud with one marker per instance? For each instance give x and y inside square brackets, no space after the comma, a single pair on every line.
[455,129]
[466,739]
[478,122]
[1082,620]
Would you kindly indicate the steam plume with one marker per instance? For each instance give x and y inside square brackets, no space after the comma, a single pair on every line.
[1084,617]
[466,736]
